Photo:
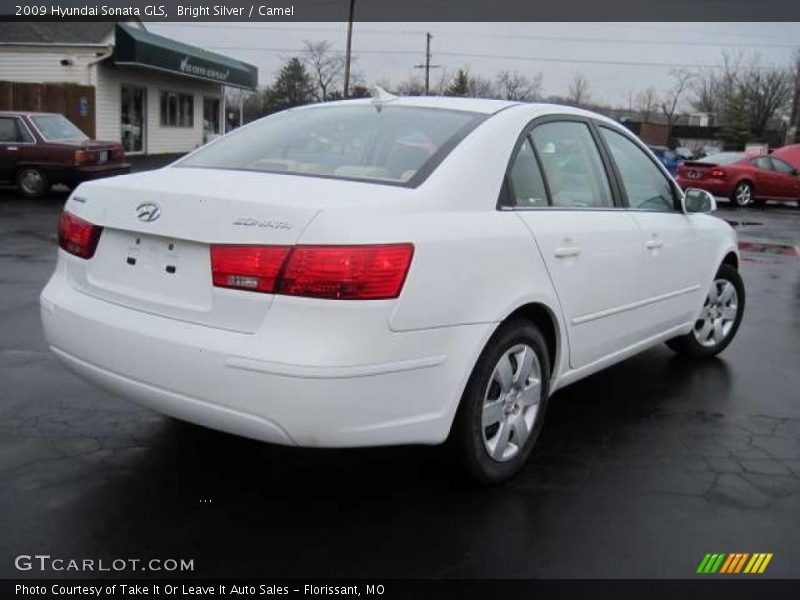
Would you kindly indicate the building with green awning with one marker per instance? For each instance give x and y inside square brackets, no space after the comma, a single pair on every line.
[138,47]
[154,94]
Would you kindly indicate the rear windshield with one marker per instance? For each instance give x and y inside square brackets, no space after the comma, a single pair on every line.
[57,127]
[398,145]
[723,158]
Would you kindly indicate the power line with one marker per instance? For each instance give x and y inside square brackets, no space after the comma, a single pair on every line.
[544,59]
[476,34]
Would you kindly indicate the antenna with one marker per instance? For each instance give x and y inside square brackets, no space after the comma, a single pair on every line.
[381,96]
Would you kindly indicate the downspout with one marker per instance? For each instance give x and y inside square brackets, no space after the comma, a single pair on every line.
[92,67]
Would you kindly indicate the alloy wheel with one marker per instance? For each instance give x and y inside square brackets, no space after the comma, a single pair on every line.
[744,194]
[718,315]
[511,402]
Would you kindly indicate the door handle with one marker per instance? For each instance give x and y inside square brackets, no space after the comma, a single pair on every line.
[653,244]
[13,148]
[567,251]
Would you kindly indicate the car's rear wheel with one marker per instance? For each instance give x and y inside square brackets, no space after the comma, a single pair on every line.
[719,318]
[32,182]
[503,406]
[742,194]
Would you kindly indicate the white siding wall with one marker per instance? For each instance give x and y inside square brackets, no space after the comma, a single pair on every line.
[37,66]
[108,80]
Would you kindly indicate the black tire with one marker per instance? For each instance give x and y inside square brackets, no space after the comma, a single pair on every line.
[32,182]
[688,345]
[743,187]
[467,437]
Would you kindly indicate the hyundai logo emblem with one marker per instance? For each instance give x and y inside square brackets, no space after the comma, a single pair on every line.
[148,211]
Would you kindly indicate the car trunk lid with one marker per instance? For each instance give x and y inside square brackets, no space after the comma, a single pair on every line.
[154,251]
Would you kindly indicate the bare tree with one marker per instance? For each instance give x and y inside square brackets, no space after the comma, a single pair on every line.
[672,97]
[578,92]
[413,86]
[766,93]
[646,103]
[745,95]
[512,85]
[480,87]
[325,66]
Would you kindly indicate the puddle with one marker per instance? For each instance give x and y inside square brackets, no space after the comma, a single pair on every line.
[771,249]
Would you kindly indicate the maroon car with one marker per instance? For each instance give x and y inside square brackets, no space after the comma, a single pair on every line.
[743,178]
[40,149]
[791,154]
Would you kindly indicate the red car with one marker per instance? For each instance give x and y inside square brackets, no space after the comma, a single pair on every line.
[743,178]
[791,154]
[40,149]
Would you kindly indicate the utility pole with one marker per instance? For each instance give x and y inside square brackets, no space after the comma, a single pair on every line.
[794,116]
[427,66]
[349,48]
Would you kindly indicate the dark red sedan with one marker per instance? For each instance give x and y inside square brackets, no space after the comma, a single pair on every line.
[743,178]
[40,149]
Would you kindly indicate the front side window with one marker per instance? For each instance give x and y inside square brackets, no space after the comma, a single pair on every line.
[12,131]
[177,109]
[380,143]
[645,185]
[572,165]
[57,127]
[525,180]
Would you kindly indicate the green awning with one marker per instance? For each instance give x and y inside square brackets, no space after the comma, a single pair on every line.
[135,46]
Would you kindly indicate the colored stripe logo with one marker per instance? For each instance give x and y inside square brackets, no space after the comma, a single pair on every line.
[734,563]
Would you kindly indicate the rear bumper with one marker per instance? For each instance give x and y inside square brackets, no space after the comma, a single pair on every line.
[715,186]
[74,175]
[404,388]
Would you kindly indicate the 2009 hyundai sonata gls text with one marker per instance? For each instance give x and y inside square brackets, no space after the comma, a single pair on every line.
[389,271]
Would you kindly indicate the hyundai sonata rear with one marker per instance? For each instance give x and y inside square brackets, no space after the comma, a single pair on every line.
[389,271]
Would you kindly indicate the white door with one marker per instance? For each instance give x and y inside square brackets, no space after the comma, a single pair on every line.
[676,251]
[592,249]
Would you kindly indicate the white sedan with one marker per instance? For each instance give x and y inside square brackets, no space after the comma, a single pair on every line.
[389,271]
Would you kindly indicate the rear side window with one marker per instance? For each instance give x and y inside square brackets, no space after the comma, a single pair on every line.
[572,165]
[762,162]
[645,185]
[397,145]
[12,131]
[526,183]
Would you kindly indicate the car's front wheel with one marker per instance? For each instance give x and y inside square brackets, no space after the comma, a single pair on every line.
[503,406]
[719,318]
[742,194]
[32,182]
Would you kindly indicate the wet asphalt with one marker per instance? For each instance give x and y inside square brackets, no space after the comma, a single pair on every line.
[640,470]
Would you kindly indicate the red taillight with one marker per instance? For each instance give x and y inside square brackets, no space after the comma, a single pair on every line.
[372,272]
[252,268]
[717,173]
[77,236]
[82,157]
[347,272]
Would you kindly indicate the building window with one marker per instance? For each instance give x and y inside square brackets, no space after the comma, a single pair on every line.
[177,110]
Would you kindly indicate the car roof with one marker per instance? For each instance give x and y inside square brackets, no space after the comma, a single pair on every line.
[478,105]
[30,113]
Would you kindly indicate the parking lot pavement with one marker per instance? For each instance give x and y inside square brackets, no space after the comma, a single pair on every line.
[639,472]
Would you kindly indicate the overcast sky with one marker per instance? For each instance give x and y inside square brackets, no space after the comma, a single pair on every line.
[617,58]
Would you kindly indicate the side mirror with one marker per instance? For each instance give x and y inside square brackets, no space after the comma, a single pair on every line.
[695,200]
